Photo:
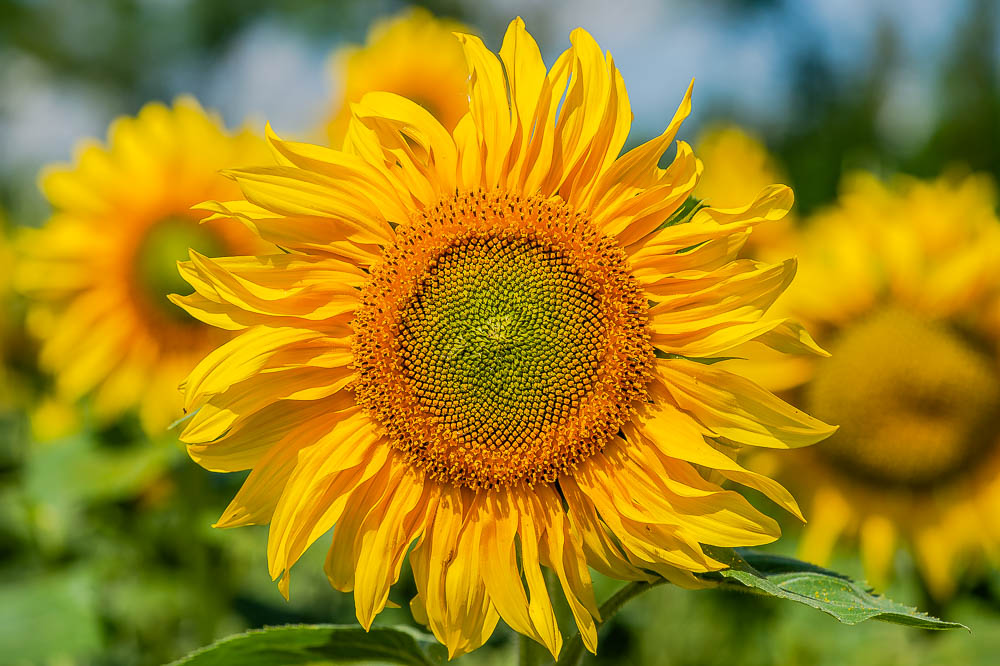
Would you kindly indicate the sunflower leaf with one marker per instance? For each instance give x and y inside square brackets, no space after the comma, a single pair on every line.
[833,593]
[320,643]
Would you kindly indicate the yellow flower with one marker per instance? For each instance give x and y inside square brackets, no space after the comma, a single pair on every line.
[5,256]
[52,418]
[99,272]
[737,168]
[8,391]
[901,282]
[458,351]
[412,54]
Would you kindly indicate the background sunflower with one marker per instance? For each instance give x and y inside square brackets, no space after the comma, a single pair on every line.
[412,54]
[901,282]
[99,271]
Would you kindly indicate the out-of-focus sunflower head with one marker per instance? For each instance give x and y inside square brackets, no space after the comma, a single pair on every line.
[412,54]
[737,167]
[17,374]
[488,350]
[6,255]
[901,283]
[98,273]
[6,312]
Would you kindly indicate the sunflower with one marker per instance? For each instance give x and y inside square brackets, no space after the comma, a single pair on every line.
[412,54]
[8,391]
[485,344]
[737,167]
[901,283]
[98,273]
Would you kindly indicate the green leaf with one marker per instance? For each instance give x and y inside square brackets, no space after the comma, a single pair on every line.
[320,643]
[78,469]
[834,594]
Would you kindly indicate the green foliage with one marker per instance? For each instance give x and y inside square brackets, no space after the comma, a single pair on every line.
[761,573]
[834,594]
[48,618]
[321,643]
[80,469]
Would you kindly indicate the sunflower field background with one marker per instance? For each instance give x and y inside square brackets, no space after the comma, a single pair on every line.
[880,115]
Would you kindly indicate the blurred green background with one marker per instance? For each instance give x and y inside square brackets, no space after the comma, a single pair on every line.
[106,551]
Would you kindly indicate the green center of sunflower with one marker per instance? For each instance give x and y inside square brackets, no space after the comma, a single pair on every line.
[916,401]
[503,338]
[166,242]
[501,341]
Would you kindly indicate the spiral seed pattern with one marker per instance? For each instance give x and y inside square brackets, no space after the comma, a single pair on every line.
[501,341]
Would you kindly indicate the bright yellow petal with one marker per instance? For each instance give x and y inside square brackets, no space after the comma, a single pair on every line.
[676,435]
[735,408]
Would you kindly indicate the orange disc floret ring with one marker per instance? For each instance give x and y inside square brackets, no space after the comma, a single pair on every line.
[502,340]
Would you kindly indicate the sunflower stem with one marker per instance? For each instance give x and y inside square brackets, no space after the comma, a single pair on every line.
[572,653]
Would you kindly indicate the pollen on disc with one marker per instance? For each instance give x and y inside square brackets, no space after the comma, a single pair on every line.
[502,341]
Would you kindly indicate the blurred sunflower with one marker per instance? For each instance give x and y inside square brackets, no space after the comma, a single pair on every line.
[99,271]
[737,167]
[459,351]
[902,283]
[412,54]
[8,392]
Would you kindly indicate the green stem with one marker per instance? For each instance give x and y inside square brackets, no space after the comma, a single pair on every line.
[572,652]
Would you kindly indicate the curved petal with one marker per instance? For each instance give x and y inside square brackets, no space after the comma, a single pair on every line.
[415,139]
[736,408]
[489,108]
[326,474]
[676,434]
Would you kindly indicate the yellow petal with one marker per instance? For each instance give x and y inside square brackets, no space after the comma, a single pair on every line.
[675,434]
[489,106]
[255,502]
[295,192]
[404,125]
[318,489]
[526,77]
[736,408]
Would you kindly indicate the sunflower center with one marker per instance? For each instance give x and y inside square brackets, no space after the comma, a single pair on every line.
[916,401]
[501,341]
[165,243]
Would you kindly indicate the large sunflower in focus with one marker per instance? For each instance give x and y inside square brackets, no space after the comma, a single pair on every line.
[902,284]
[412,54]
[98,273]
[485,343]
